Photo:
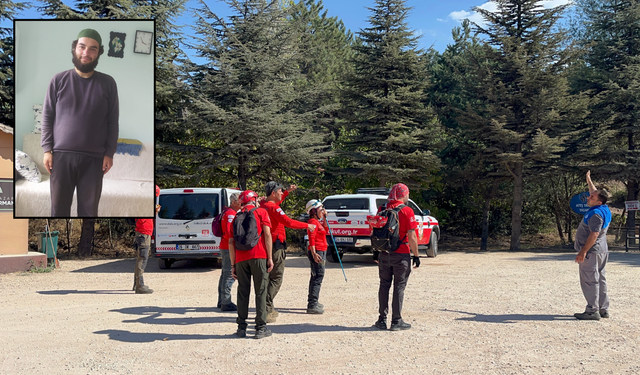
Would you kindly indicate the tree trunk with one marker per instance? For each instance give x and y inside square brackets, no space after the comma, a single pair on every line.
[558,216]
[485,215]
[242,173]
[86,238]
[632,195]
[516,210]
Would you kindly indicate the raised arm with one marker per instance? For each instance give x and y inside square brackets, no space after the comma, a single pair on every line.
[592,187]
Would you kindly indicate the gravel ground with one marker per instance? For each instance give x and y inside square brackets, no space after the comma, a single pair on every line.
[472,313]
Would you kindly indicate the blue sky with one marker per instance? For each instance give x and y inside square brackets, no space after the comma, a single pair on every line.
[432,19]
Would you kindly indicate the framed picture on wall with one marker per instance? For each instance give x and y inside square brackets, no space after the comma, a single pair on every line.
[116,44]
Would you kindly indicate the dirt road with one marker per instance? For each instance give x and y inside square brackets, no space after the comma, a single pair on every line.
[472,313]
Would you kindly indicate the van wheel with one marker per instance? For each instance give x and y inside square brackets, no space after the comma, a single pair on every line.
[432,250]
[334,256]
[164,263]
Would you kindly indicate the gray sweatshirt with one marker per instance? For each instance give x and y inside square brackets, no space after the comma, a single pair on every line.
[81,114]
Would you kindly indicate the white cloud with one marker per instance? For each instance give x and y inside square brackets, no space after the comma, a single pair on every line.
[473,16]
[441,20]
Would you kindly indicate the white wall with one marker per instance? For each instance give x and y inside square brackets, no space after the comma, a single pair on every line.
[43,48]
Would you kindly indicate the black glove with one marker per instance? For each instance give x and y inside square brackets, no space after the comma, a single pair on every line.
[416,261]
[376,254]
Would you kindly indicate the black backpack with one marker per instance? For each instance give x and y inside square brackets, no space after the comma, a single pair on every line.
[385,235]
[245,230]
[130,221]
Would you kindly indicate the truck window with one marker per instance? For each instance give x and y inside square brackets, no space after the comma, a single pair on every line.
[416,210]
[346,204]
[188,206]
[380,202]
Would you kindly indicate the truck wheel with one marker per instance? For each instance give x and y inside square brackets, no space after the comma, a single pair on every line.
[164,263]
[432,250]
[334,256]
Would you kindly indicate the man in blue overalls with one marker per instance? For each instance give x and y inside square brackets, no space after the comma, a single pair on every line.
[593,253]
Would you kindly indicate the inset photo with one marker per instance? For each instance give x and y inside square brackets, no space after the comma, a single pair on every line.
[84,119]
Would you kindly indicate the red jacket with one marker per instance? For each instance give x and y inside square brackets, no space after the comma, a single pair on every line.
[280,220]
[226,223]
[144,226]
[260,250]
[318,237]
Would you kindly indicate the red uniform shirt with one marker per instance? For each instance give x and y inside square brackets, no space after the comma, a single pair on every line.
[259,251]
[318,237]
[225,223]
[407,219]
[280,220]
[144,226]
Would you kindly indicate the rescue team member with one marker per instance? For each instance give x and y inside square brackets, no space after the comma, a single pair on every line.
[317,254]
[80,129]
[593,253]
[256,263]
[395,267]
[279,220]
[142,242]
[226,281]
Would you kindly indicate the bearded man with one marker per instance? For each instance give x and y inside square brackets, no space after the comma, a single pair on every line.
[80,129]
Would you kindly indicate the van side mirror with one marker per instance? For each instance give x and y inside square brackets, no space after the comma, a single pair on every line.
[426,212]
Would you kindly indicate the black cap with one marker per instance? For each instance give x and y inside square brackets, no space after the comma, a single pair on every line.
[272,186]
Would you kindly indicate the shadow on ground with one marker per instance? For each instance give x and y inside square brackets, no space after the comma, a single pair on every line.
[75,291]
[630,258]
[127,265]
[509,318]
[143,337]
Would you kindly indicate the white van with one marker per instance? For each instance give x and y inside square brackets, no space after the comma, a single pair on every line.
[183,225]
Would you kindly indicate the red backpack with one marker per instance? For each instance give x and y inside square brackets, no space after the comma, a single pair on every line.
[216,224]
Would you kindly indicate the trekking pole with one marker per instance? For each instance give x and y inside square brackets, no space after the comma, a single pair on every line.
[336,247]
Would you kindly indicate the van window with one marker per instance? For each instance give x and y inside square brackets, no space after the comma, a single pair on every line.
[346,204]
[188,206]
[380,202]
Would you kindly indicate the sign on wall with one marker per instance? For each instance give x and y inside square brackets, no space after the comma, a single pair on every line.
[6,195]
[632,205]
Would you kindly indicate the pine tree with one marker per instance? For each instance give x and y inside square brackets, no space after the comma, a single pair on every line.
[8,10]
[611,75]
[524,90]
[391,134]
[246,119]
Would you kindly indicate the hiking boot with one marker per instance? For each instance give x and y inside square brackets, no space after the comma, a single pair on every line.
[320,305]
[262,333]
[241,333]
[229,307]
[271,317]
[316,309]
[587,315]
[381,324]
[604,314]
[219,305]
[143,290]
[400,326]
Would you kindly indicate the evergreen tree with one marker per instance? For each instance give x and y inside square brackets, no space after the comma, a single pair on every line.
[524,90]
[391,134]
[8,10]
[611,140]
[246,119]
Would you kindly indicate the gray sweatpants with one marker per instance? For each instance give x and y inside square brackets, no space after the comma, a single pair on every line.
[73,171]
[593,281]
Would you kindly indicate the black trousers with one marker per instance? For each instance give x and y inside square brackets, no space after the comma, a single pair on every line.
[73,171]
[245,270]
[317,275]
[392,268]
